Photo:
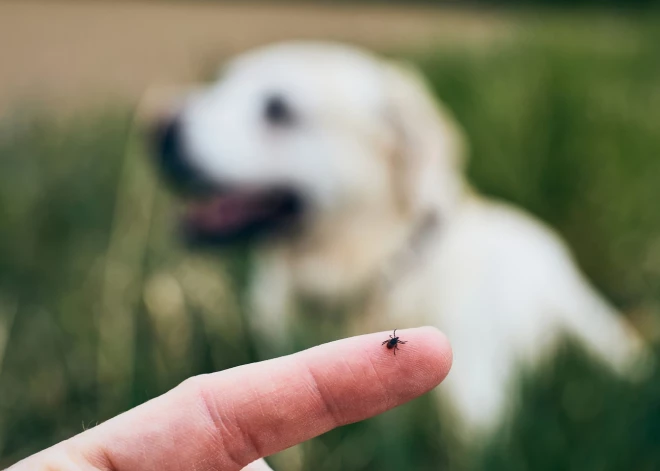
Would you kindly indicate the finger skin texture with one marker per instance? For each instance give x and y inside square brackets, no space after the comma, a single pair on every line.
[229,419]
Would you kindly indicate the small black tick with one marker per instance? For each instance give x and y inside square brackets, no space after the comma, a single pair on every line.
[393,342]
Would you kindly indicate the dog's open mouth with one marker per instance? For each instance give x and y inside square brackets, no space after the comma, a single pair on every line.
[229,216]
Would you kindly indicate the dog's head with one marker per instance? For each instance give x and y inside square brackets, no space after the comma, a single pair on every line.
[299,132]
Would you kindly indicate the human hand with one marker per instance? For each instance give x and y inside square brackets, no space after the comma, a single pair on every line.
[229,419]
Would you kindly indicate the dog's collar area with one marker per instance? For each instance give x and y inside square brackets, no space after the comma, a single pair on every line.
[411,252]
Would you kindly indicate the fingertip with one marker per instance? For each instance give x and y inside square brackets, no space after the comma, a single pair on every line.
[439,348]
[419,365]
[433,352]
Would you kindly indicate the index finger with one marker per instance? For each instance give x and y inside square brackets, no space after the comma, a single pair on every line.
[227,420]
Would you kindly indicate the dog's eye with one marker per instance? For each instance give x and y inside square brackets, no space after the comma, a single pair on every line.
[276,111]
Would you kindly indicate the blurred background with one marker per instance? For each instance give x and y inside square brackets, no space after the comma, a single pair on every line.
[101,308]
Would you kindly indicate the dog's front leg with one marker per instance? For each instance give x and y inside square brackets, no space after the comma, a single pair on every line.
[270,304]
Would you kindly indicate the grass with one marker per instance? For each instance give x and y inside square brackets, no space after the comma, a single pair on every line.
[563,120]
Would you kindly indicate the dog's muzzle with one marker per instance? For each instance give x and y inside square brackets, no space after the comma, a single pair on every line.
[173,162]
[219,213]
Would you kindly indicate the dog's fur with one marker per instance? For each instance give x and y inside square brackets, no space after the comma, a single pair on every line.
[379,166]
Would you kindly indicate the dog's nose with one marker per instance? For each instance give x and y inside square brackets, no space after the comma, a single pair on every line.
[173,159]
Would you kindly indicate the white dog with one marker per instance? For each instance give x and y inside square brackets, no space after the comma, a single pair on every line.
[349,160]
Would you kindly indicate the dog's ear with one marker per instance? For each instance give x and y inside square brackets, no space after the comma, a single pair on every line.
[429,153]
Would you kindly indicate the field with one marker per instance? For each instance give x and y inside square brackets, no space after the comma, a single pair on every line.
[71,54]
[102,309]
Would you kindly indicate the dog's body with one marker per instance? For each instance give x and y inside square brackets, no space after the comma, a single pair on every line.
[356,153]
[502,287]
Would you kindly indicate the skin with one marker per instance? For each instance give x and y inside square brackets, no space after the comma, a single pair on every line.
[229,419]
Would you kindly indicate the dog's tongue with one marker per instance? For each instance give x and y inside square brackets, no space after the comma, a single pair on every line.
[222,212]
[231,211]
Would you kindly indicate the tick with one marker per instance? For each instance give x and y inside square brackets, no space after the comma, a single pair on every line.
[393,342]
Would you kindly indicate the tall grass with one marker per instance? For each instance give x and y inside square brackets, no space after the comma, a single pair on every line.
[563,120]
